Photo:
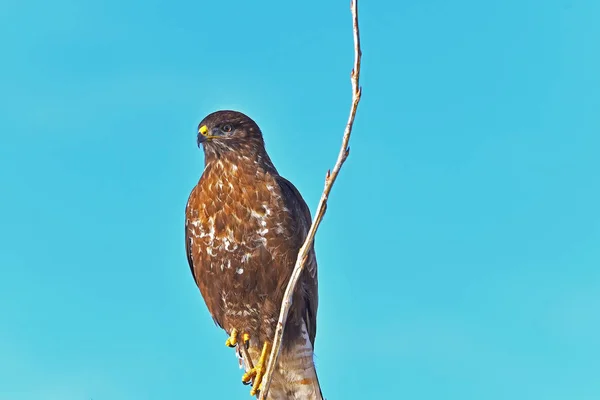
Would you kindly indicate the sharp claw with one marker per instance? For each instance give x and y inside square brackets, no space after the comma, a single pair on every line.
[255,375]
[232,339]
[247,377]
[260,369]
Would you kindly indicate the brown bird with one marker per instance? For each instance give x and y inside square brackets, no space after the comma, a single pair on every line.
[244,227]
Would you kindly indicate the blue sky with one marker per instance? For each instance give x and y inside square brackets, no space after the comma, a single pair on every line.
[459,255]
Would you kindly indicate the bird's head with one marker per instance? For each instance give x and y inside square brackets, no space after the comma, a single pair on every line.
[228,130]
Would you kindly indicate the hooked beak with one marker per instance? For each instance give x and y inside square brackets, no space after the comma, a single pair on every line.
[204,134]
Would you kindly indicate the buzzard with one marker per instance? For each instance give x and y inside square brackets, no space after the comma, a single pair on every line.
[244,226]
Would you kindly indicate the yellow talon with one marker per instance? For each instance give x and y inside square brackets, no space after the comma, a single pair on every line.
[258,371]
[232,339]
[246,339]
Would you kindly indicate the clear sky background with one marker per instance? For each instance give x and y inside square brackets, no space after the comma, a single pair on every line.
[459,258]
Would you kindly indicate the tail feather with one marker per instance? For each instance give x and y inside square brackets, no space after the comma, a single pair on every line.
[295,377]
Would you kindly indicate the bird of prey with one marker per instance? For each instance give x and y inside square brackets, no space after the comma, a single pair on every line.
[244,226]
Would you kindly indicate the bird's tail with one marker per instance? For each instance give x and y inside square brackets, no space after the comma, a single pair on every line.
[295,377]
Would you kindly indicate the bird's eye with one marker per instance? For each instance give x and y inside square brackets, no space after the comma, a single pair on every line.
[226,128]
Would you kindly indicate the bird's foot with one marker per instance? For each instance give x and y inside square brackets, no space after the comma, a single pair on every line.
[232,340]
[256,374]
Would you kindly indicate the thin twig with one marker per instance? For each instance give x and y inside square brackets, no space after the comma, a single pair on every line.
[245,356]
[329,181]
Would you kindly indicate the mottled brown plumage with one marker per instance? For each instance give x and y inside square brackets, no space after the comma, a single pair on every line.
[244,226]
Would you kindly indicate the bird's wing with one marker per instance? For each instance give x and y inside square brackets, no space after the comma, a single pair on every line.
[195,269]
[296,204]
[188,239]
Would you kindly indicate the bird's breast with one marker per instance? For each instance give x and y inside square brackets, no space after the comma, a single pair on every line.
[238,219]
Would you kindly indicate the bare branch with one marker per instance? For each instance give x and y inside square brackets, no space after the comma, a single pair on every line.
[245,356]
[329,181]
